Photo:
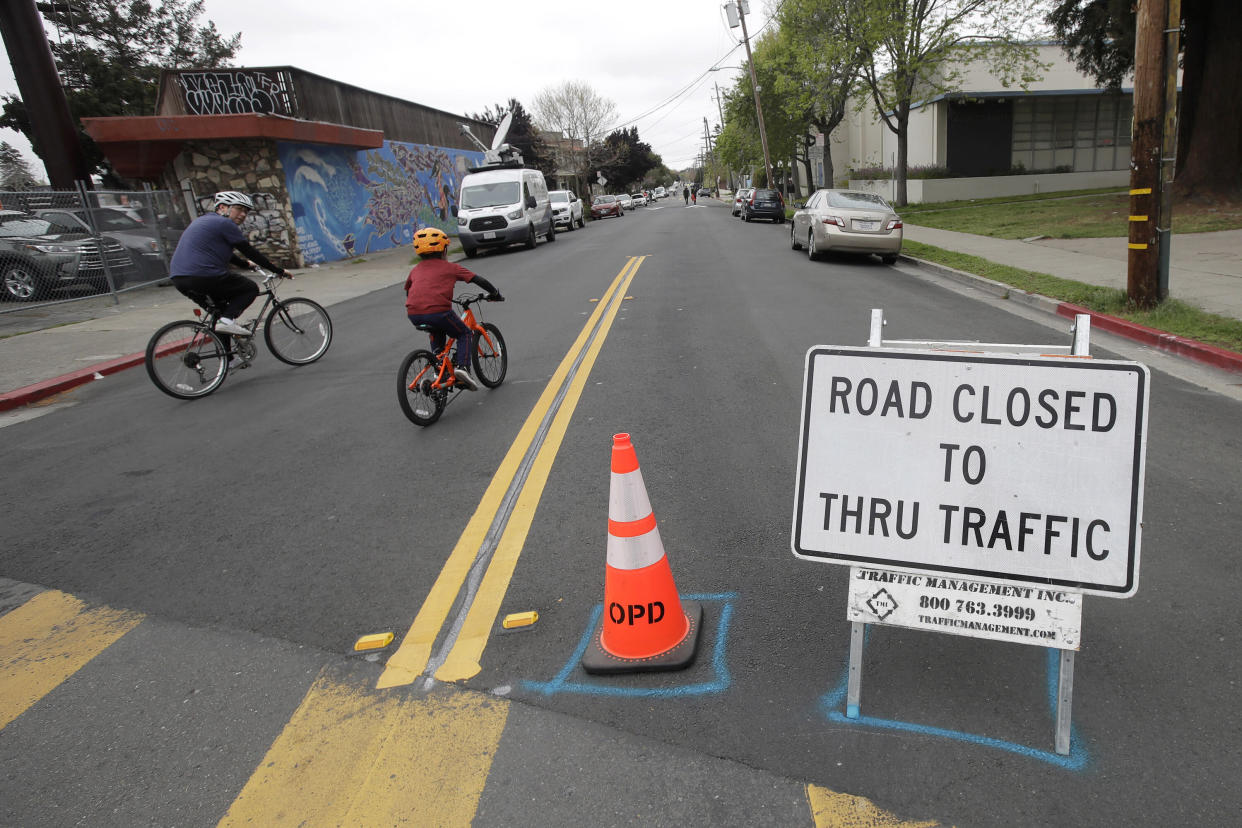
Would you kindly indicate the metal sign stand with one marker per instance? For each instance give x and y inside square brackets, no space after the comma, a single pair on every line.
[1080,347]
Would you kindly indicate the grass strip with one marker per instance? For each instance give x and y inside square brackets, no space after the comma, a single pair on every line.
[1171,316]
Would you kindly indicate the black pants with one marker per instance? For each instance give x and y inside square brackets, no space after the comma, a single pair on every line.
[232,292]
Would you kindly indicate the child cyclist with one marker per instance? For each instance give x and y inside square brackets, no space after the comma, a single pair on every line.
[429,299]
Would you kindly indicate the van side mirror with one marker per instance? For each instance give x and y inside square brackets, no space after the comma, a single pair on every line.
[530,201]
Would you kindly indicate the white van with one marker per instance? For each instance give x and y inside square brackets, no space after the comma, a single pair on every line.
[501,207]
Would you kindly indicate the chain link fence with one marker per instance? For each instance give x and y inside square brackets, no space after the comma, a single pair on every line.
[62,245]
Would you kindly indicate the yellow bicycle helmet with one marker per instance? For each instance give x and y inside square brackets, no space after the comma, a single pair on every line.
[430,240]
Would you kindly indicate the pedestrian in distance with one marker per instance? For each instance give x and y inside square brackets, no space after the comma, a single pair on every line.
[694,196]
[429,299]
[685,194]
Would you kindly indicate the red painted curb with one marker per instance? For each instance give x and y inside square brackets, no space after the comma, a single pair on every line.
[1170,343]
[42,390]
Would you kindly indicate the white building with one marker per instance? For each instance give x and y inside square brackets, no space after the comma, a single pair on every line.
[1074,134]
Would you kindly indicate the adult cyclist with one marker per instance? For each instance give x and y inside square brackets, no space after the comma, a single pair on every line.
[200,264]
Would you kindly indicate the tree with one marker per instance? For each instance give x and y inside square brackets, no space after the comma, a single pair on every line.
[631,159]
[15,173]
[110,56]
[914,50]
[522,134]
[1099,36]
[818,72]
[577,111]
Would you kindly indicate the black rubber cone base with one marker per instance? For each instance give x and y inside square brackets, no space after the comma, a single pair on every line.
[597,660]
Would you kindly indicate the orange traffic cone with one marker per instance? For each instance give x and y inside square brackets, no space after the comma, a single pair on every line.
[645,626]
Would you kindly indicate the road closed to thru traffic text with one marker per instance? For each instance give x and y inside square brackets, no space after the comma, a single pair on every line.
[1013,468]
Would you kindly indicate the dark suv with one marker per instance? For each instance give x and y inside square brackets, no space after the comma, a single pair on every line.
[37,256]
[764,204]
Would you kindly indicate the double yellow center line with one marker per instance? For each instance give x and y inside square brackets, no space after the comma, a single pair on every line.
[487,552]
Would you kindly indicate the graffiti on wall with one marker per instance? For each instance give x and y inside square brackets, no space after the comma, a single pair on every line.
[235,92]
[348,203]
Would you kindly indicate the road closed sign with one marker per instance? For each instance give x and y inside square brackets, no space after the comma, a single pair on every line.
[1016,468]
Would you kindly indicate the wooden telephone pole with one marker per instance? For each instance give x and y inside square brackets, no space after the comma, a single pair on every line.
[1155,51]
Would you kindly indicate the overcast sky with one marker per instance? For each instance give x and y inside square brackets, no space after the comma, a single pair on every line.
[649,57]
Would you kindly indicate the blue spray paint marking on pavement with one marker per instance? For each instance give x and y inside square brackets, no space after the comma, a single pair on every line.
[830,706]
[561,683]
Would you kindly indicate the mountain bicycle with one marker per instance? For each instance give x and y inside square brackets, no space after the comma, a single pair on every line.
[187,359]
[426,382]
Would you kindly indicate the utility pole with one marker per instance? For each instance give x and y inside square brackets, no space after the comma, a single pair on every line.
[1146,154]
[720,112]
[53,134]
[1168,161]
[737,7]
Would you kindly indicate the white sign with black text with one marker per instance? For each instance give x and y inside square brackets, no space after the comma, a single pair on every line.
[944,603]
[1016,468]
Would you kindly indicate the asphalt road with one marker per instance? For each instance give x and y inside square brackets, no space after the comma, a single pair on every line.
[297,508]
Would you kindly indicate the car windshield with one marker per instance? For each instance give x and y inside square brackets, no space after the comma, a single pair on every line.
[490,195]
[561,198]
[604,199]
[25,227]
[863,201]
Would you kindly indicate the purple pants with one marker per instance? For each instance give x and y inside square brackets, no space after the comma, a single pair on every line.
[446,324]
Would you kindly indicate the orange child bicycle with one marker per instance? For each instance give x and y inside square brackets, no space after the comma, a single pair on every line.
[426,383]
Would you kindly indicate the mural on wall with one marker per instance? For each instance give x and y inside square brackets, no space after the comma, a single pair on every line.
[348,203]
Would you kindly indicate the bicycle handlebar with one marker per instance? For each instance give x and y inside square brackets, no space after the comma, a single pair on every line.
[467,301]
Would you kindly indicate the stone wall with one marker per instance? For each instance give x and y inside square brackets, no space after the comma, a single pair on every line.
[251,166]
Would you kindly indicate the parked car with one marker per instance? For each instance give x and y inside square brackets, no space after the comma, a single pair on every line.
[566,209]
[138,238]
[740,196]
[36,258]
[627,203]
[704,192]
[850,221]
[763,203]
[606,205]
[639,199]
[660,192]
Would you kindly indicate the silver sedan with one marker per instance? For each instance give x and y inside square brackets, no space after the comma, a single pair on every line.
[848,221]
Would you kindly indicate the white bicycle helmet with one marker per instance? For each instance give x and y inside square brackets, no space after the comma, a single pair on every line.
[231,197]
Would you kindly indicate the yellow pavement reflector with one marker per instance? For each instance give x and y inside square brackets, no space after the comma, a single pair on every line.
[375,641]
[519,619]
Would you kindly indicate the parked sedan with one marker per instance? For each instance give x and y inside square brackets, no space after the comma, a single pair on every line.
[35,258]
[740,196]
[605,205]
[627,203]
[765,204]
[639,199]
[849,221]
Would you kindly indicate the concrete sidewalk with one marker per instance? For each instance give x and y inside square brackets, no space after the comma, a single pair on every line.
[46,350]
[1205,268]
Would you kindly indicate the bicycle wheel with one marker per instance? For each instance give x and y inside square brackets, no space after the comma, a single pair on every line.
[490,357]
[187,360]
[298,331]
[421,403]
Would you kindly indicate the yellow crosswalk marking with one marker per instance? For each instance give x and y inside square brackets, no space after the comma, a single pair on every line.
[48,639]
[830,809]
[357,756]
